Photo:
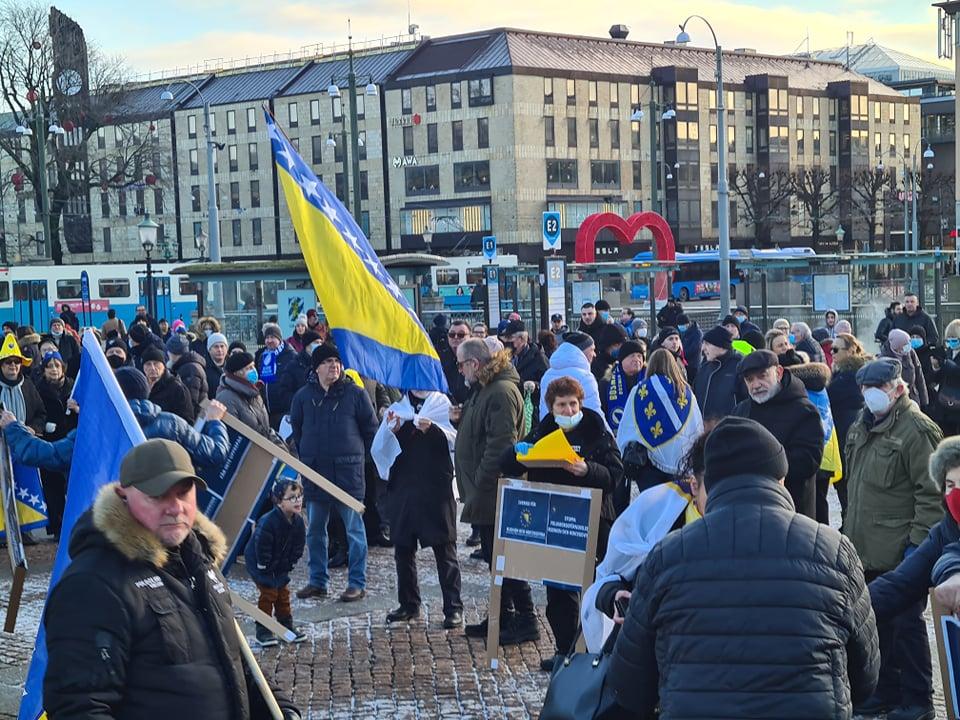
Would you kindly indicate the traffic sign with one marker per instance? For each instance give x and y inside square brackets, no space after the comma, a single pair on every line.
[490,247]
[551,230]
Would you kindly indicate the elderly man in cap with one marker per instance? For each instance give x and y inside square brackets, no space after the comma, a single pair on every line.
[892,504]
[779,402]
[140,625]
[527,357]
[753,611]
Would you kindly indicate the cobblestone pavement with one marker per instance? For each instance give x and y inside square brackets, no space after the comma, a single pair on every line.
[355,665]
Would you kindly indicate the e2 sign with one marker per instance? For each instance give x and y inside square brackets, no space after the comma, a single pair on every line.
[551,230]
[490,247]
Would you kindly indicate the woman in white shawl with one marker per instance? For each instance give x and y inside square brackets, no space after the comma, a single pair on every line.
[572,359]
[412,452]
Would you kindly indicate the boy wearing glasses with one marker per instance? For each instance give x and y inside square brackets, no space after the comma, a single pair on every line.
[274,548]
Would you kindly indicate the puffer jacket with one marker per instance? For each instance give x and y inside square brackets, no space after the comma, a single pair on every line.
[718,387]
[491,422]
[274,548]
[243,401]
[892,501]
[207,449]
[569,361]
[130,621]
[172,396]
[333,431]
[754,611]
[192,371]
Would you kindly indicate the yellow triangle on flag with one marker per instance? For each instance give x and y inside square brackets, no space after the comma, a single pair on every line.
[551,449]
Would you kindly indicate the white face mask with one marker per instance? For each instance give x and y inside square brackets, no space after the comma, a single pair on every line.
[877,401]
[568,422]
[642,332]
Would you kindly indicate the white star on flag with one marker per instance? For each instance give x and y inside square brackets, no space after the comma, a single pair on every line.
[23,492]
[329,211]
[43,507]
[34,500]
[310,188]
[285,153]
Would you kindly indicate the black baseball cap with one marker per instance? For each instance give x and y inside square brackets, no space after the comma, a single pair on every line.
[155,466]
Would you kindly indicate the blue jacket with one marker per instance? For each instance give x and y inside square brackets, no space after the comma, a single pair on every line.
[332,431]
[206,448]
[274,548]
[277,394]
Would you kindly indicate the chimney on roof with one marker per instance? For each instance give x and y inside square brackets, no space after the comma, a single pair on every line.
[619,32]
[746,51]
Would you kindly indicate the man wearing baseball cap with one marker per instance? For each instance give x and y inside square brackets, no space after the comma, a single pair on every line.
[140,625]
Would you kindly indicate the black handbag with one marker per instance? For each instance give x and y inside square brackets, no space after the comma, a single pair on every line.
[635,458]
[578,689]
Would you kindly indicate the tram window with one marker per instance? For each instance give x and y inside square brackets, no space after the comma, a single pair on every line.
[4,291]
[68,289]
[187,287]
[448,276]
[115,288]
[474,276]
[21,291]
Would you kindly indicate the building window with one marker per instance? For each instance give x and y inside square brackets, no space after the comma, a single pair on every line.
[257,231]
[832,109]
[892,142]
[891,112]
[101,138]
[731,139]
[361,106]
[292,115]
[407,141]
[800,141]
[480,92]
[549,138]
[339,150]
[213,123]
[816,108]
[237,233]
[748,104]
[637,175]
[635,135]
[315,112]
[878,143]
[604,174]
[336,108]
[252,156]
[364,188]
[456,131]
[571,132]
[877,111]
[158,201]
[251,119]
[432,145]
[233,158]
[571,92]
[191,126]
[234,196]
[406,101]
[614,95]
[906,143]
[592,92]
[107,242]
[362,144]
[548,91]
[316,147]
[749,138]
[816,142]
[799,102]
[483,133]
[455,101]
[195,198]
[231,122]
[194,162]
[562,174]
[615,134]
[422,180]
[713,138]
[365,222]
[122,203]
[471,176]
[104,204]
[906,114]
[833,143]
[254,193]
[431,97]
[594,129]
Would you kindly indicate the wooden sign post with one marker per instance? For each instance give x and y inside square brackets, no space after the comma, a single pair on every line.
[11,517]
[544,533]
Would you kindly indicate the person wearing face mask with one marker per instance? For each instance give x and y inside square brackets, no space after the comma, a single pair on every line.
[67,346]
[206,326]
[600,467]
[718,387]
[778,401]
[239,391]
[691,339]
[117,352]
[898,347]
[603,312]
[945,406]
[166,390]
[55,389]
[190,368]
[620,379]
[271,361]
[893,504]
[411,450]
[801,337]
[216,349]
[925,354]
[743,321]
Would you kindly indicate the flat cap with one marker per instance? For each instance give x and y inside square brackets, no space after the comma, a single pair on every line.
[758,360]
[879,372]
[513,327]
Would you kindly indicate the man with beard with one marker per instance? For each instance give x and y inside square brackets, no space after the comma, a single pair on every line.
[779,402]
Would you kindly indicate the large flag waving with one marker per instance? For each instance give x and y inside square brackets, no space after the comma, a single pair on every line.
[376,330]
[106,431]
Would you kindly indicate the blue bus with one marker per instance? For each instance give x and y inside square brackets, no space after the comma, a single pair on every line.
[698,277]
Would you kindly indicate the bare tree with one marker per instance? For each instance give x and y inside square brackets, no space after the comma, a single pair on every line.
[39,95]
[936,193]
[762,199]
[869,190]
[814,190]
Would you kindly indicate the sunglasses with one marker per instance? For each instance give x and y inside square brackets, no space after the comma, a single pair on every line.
[456,336]
[835,350]
[461,363]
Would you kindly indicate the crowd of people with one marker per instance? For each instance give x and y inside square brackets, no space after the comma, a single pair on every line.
[761,424]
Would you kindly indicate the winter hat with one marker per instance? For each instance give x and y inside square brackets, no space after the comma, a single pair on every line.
[729,320]
[237,361]
[755,338]
[683,319]
[919,332]
[820,334]
[310,337]
[301,320]
[580,339]
[272,330]
[630,347]
[741,446]
[178,326]
[324,352]
[214,339]
[719,336]
[236,345]
[177,345]
[116,342]
[311,313]
[758,360]
[50,356]
[493,344]
[879,372]
[440,320]
[133,383]
[138,333]
[513,327]
[610,335]
[153,354]
[666,332]
[898,339]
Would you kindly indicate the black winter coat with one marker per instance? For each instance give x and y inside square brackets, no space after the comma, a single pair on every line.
[274,548]
[717,386]
[905,322]
[276,394]
[846,400]
[420,502]
[70,352]
[793,420]
[172,396]
[295,374]
[55,402]
[214,374]
[531,364]
[884,327]
[457,388]
[332,431]
[192,371]
[752,612]
[128,637]
[36,411]
[136,351]
[692,342]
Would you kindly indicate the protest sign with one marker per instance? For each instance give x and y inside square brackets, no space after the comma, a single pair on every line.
[544,533]
[947,628]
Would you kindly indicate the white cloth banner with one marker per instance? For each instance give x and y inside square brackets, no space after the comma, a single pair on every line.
[386,448]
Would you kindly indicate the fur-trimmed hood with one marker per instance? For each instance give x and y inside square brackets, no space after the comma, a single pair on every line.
[211,320]
[113,522]
[499,364]
[851,363]
[29,339]
[814,376]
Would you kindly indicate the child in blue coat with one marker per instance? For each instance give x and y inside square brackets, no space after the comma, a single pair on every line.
[273,550]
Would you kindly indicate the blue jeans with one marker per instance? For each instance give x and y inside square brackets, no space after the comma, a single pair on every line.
[319,512]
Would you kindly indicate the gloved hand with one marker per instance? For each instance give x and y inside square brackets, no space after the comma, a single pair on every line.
[522,448]
[908,551]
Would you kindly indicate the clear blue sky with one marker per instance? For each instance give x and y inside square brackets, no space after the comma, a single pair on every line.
[175,33]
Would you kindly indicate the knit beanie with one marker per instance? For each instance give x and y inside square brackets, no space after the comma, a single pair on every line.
[214,339]
[580,339]
[138,333]
[272,330]
[237,361]
[629,348]
[741,446]
[324,352]
[178,345]
[133,383]
[310,337]
[666,332]
[153,354]
[719,336]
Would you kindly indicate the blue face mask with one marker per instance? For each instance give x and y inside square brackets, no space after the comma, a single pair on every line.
[682,328]
[740,318]
[615,353]
[604,315]
[792,338]
[953,343]
[916,343]
[252,376]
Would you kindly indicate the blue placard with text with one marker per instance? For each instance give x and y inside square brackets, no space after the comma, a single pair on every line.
[557,520]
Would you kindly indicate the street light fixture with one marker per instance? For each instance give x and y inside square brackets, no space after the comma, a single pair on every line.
[331,141]
[637,115]
[24,130]
[723,192]
[840,234]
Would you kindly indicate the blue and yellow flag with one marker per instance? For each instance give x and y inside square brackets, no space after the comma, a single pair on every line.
[31,507]
[375,329]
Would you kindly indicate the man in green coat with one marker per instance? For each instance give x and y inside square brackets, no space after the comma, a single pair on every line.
[893,503]
[490,422]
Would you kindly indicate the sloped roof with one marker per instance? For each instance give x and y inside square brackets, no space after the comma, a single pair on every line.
[870,57]
[244,87]
[145,102]
[317,77]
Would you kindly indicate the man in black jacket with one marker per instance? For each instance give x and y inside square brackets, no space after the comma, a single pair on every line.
[717,386]
[457,389]
[753,611]
[528,358]
[191,368]
[140,625]
[912,315]
[166,389]
[779,402]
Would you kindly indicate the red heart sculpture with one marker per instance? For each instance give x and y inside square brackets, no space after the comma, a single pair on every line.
[625,231]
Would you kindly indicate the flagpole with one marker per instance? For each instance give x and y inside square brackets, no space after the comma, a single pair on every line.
[257,673]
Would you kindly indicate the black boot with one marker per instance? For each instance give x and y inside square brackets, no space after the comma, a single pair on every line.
[298,635]
[522,628]
[265,637]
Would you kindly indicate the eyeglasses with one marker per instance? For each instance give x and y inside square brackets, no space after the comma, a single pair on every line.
[835,350]
[293,498]
[461,363]
[456,336]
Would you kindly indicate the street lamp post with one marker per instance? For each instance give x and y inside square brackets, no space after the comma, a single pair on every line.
[928,154]
[42,132]
[147,229]
[723,202]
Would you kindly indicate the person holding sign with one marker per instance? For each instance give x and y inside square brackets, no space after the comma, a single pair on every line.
[598,466]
